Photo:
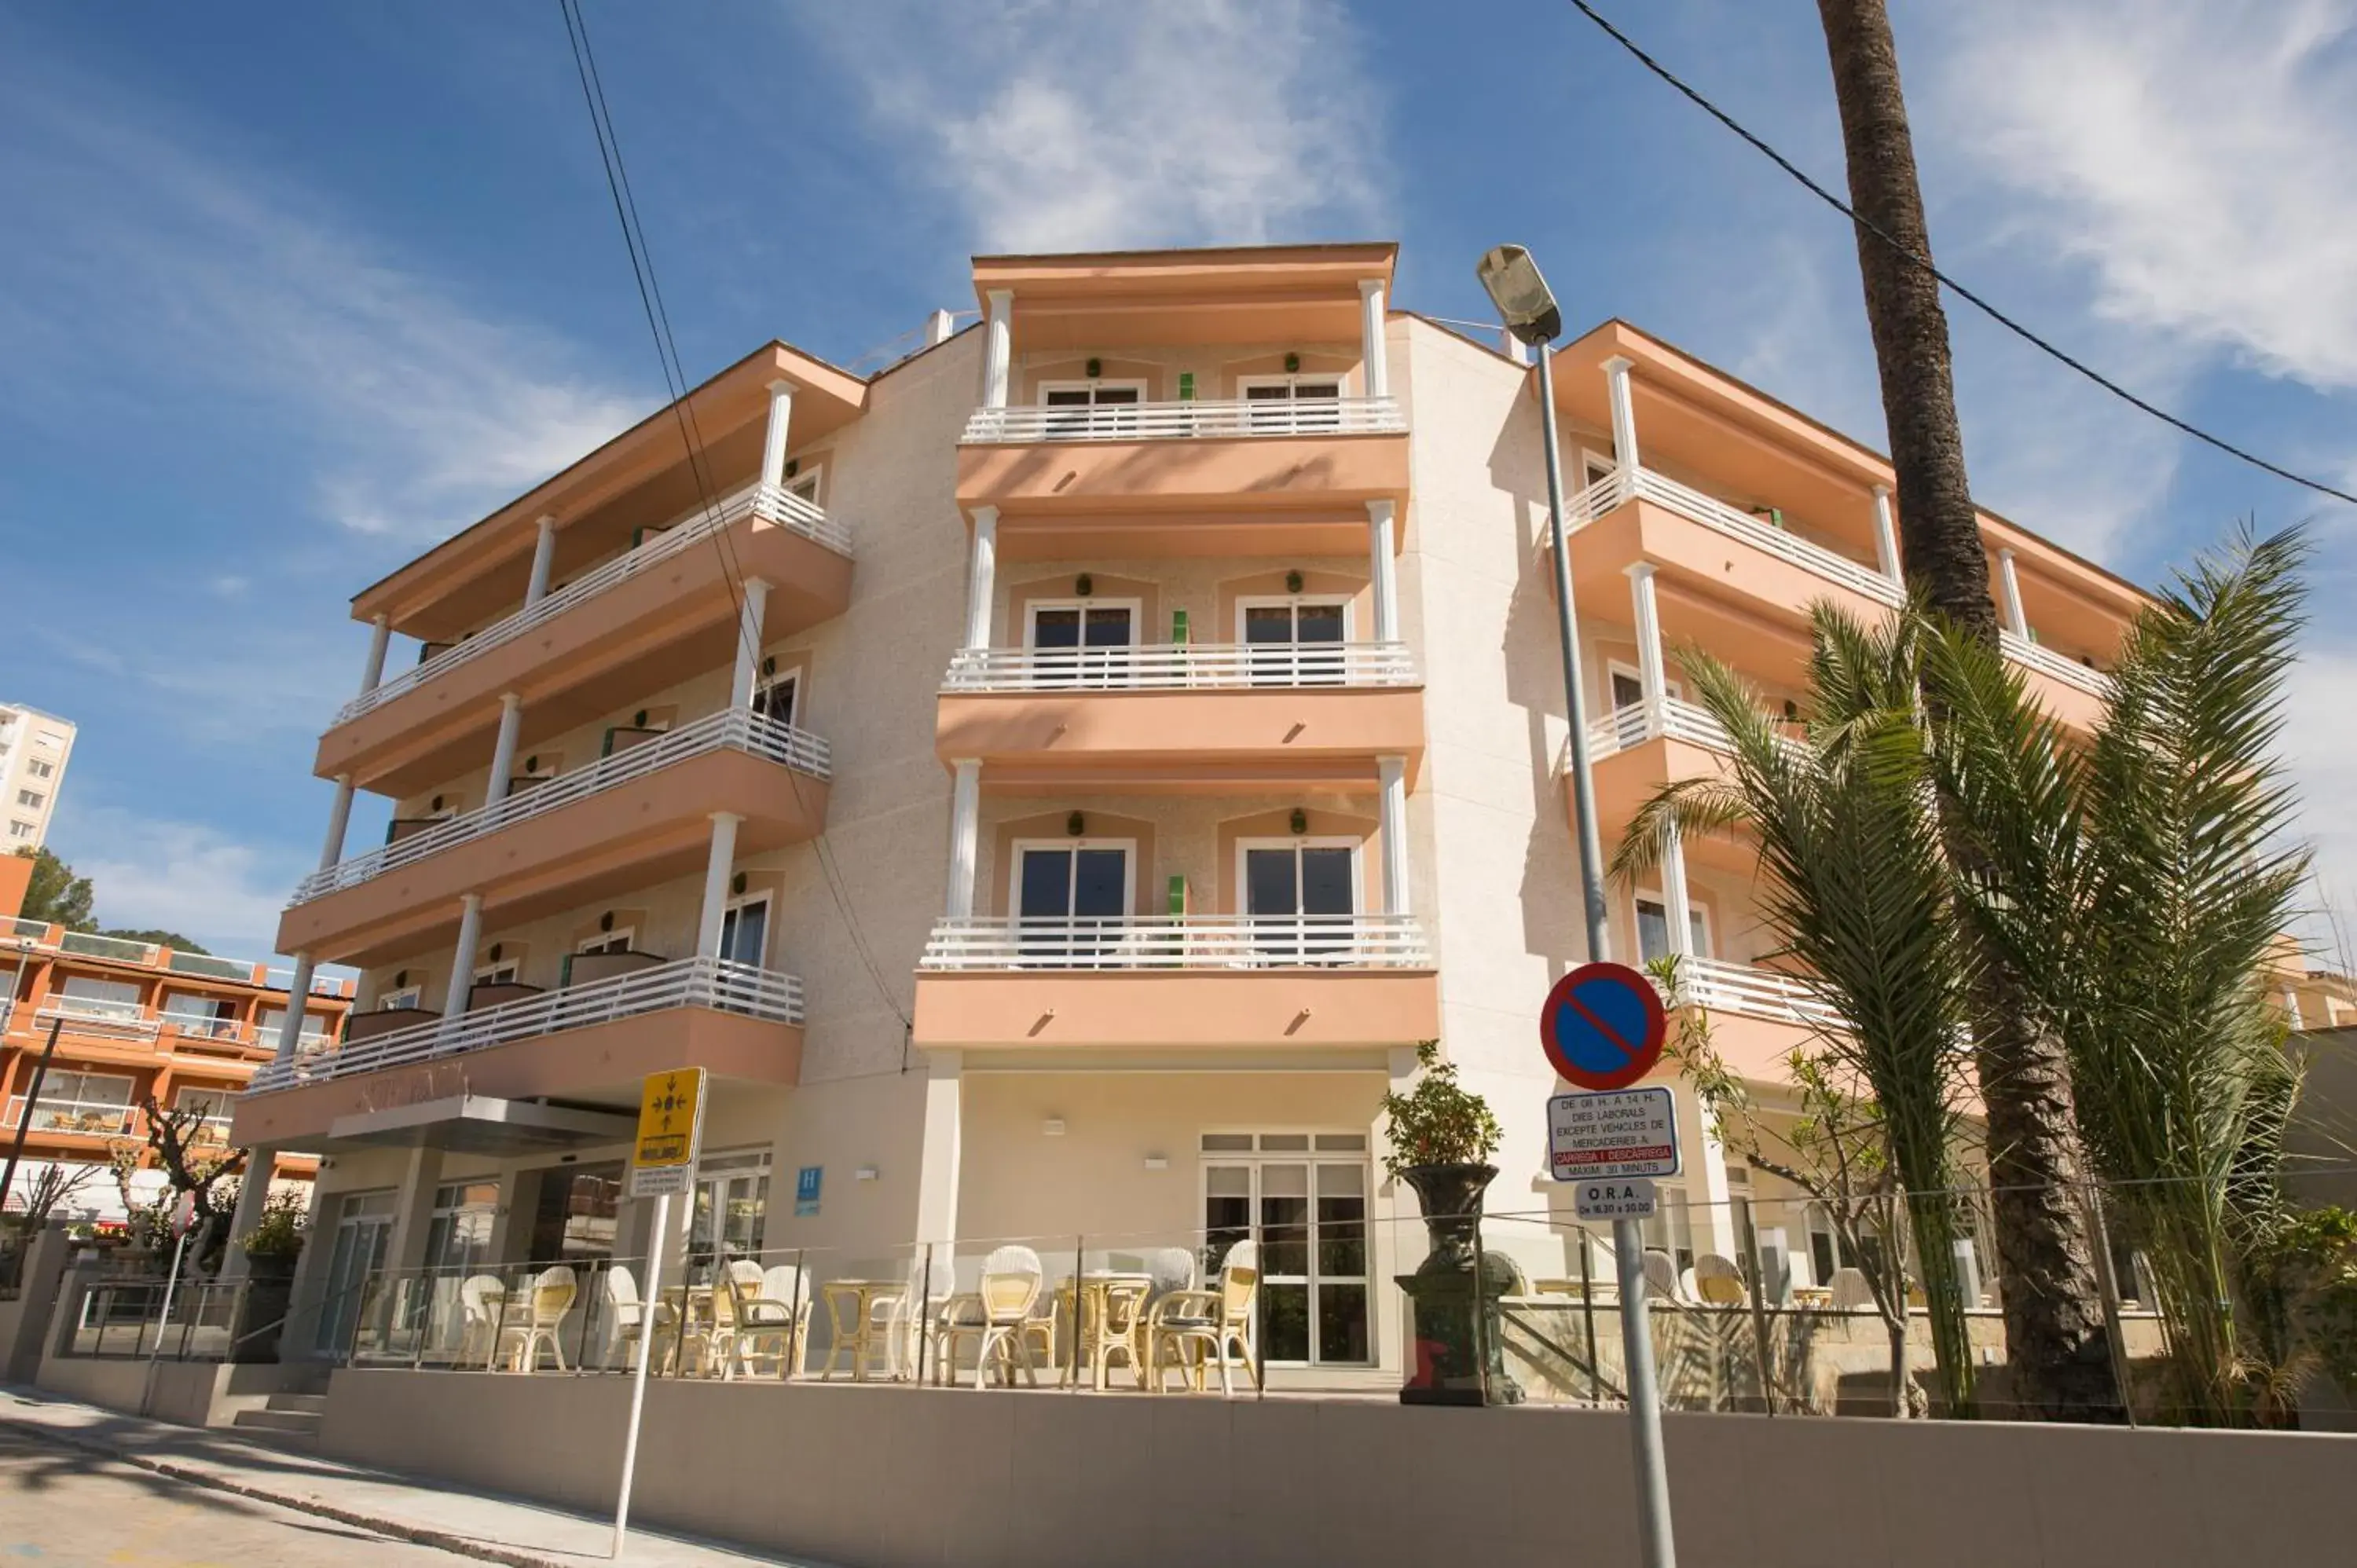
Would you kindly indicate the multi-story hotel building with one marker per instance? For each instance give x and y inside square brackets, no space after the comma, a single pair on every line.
[133,1022]
[1053,784]
[34,749]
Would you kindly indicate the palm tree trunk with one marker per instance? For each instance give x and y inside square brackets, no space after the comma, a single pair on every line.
[2053,1310]
[1940,538]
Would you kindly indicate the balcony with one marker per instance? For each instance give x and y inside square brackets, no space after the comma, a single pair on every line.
[1074,480]
[73,1117]
[1759,1017]
[2071,692]
[645,620]
[1245,716]
[639,816]
[1215,982]
[588,1043]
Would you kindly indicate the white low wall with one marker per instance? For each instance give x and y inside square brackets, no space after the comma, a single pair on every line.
[897,1477]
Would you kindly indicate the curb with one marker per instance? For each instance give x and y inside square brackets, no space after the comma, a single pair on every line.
[419,1535]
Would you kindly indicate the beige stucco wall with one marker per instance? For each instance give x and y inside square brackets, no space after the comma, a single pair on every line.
[901,1477]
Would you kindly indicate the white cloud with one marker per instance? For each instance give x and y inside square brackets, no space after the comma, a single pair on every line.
[168,270]
[2321,747]
[152,874]
[2194,154]
[1075,125]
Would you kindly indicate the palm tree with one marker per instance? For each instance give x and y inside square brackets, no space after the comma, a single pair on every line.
[2053,1312]
[2137,886]
[1855,883]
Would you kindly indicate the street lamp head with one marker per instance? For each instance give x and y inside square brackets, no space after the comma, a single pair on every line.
[1521,295]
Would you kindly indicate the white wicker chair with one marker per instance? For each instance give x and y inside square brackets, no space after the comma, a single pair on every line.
[482,1302]
[626,1318]
[996,1315]
[1717,1281]
[552,1292]
[1187,1326]
[1660,1276]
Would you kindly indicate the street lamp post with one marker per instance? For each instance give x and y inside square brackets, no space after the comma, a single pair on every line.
[1529,309]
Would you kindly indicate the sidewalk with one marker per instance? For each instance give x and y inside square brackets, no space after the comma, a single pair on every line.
[494,1529]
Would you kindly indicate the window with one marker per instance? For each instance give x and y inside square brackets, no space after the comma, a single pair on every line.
[1629,688]
[30,797]
[114,1000]
[1081,641]
[573,1216]
[1302,1197]
[745,931]
[48,740]
[39,769]
[777,697]
[503,974]
[458,1235]
[204,1016]
[1092,404]
[21,830]
[210,1105]
[1293,641]
[804,484]
[406,997]
[1069,895]
[1671,1230]
[1300,895]
[315,1027]
[90,1102]
[1653,929]
[1274,405]
[732,1205]
[617,940]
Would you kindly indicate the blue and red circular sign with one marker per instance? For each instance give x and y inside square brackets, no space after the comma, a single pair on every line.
[1603,1025]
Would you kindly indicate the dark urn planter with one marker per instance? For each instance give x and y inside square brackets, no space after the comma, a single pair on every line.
[1456,1325]
[262,1309]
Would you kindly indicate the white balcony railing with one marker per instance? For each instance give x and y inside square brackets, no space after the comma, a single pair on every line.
[735,729]
[1179,942]
[1633,725]
[1162,421]
[708,983]
[1180,666]
[2046,661]
[781,507]
[94,1117]
[122,950]
[1729,987]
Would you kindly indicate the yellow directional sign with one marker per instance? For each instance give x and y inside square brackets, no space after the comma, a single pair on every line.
[671,1126]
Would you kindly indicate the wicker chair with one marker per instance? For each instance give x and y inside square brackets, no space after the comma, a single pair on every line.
[1187,1327]
[996,1315]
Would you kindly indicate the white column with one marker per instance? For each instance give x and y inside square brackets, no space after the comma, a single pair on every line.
[1652,673]
[372,671]
[544,555]
[298,991]
[940,327]
[965,822]
[774,439]
[748,643]
[982,576]
[253,1192]
[1886,536]
[462,958]
[1391,772]
[717,869]
[1624,413]
[503,749]
[1371,338]
[998,348]
[340,821]
[2008,582]
[943,1151]
[1383,568]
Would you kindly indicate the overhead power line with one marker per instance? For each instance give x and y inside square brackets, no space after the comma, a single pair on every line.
[1958,289]
[675,384]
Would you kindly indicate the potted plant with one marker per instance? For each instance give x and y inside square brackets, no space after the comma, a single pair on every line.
[1441,1136]
[271,1248]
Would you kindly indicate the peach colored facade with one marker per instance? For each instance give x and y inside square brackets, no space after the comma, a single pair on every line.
[1053,784]
[134,1021]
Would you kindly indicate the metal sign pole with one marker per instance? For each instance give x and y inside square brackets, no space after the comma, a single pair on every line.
[638,1375]
[171,1281]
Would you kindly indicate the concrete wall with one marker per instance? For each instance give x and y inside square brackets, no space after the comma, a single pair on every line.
[887,1477]
[25,1320]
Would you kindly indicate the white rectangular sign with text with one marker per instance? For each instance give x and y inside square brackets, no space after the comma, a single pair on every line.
[1614,1198]
[1615,1133]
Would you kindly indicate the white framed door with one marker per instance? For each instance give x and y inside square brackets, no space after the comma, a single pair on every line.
[363,1229]
[1653,927]
[1296,640]
[1300,895]
[1302,1197]
[1070,897]
[1080,642]
[745,930]
[1277,403]
[778,697]
[1094,409]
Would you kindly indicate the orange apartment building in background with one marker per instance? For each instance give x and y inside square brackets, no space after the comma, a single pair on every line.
[1053,784]
[134,1021]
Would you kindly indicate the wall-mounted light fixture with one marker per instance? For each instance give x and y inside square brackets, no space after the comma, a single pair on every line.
[1084,586]
[495,951]
[1157,1162]
[1076,824]
[606,921]
[1300,820]
[1293,582]
[736,883]
[865,1172]
[1053,1127]
[1292,363]
[1096,368]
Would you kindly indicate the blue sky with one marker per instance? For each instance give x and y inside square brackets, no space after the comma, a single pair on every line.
[292,291]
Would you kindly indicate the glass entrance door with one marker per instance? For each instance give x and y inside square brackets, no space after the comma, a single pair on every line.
[1295,643]
[363,1230]
[1301,898]
[1303,1197]
[1081,644]
[732,1204]
[1070,898]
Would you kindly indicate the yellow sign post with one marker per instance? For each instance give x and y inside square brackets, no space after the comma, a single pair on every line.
[671,1124]
[662,1163]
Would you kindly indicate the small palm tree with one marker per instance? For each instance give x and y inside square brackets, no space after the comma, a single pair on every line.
[1856,886]
[2136,886]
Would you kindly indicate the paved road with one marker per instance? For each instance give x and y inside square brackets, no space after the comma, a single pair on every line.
[61,1507]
